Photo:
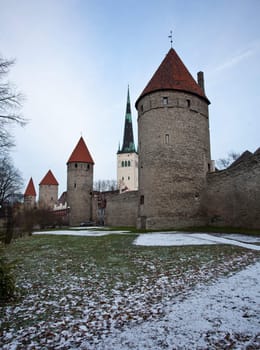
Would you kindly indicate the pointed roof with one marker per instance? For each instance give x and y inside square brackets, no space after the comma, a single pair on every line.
[128,141]
[81,153]
[49,179]
[173,75]
[30,189]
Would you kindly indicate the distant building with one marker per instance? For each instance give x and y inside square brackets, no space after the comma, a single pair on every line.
[127,157]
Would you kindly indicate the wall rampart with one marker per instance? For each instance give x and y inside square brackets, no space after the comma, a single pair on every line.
[233,195]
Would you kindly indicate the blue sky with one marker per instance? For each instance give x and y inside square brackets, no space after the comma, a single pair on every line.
[75,58]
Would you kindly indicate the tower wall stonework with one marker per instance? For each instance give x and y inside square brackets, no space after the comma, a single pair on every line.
[48,196]
[174,158]
[79,192]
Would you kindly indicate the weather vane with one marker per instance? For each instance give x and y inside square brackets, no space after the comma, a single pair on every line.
[170,36]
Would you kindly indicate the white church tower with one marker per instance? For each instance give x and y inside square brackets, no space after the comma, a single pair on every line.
[127,157]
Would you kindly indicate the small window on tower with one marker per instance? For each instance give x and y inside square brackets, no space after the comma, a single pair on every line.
[75,185]
[188,103]
[122,177]
[167,139]
[123,163]
[165,101]
[128,163]
[142,108]
[88,166]
[76,165]
[142,199]
[128,177]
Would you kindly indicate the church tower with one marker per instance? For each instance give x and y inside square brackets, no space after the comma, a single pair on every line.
[48,191]
[174,147]
[80,184]
[127,157]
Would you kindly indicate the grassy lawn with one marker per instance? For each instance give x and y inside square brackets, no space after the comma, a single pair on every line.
[72,287]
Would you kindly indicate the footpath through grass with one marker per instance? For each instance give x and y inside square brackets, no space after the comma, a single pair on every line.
[76,290]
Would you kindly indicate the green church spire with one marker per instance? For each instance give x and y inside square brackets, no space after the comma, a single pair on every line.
[128,141]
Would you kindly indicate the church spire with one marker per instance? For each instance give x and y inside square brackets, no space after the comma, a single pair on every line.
[128,141]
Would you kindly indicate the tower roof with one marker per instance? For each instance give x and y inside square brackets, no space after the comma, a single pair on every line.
[81,153]
[128,141]
[30,189]
[173,75]
[49,179]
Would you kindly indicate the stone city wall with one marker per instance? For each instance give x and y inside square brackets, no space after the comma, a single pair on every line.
[233,195]
[121,209]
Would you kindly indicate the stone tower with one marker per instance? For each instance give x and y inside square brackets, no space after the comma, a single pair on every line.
[127,157]
[48,191]
[30,196]
[80,184]
[174,147]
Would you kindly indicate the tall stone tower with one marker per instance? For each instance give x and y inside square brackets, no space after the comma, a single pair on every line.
[174,147]
[127,157]
[30,196]
[48,191]
[80,184]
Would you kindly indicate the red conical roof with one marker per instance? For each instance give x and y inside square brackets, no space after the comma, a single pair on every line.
[49,179]
[81,153]
[30,189]
[173,75]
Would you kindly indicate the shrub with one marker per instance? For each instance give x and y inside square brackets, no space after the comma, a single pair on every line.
[7,280]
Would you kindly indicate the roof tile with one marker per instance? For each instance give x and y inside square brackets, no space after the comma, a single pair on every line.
[173,75]
[49,179]
[81,153]
[30,189]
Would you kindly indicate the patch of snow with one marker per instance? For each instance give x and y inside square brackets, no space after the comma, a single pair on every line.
[224,314]
[85,233]
[181,239]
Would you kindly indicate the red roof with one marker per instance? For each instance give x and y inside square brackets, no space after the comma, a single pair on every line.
[49,179]
[30,189]
[173,75]
[81,153]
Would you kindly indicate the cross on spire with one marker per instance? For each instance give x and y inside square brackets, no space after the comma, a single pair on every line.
[170,36]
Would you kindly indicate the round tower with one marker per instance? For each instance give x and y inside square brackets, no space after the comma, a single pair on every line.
[30,196]
[174,147]
[48,191]
[80,184]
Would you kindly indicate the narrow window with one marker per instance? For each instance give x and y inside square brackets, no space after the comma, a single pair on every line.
[128,177]
[122,177]
[88,166]
[128,163]
[167,139]
[125,162]
[122,164]
[165,101]
[208,166]
[75,185]
[76,165]
[188,103]
[142,199]
[142,108]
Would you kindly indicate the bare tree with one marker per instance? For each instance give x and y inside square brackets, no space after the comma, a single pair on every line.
[224,163]
[105,185]
[10,105]
[10,180]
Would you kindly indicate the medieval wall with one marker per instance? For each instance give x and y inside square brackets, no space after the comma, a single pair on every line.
[121,209]
[233,195]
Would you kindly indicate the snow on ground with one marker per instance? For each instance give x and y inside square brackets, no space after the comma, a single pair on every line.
[222,316]
[82,232]
[180,239]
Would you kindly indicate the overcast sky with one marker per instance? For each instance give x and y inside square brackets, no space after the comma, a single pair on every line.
[75,58]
